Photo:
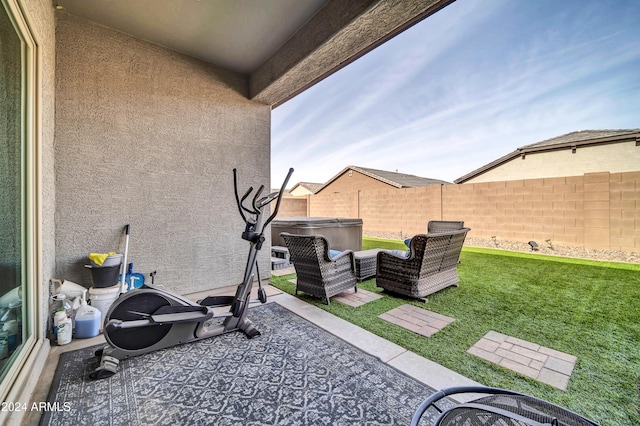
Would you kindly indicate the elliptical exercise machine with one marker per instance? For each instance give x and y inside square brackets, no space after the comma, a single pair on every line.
[152,318]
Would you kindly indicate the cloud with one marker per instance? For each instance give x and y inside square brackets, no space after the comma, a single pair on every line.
[466,86]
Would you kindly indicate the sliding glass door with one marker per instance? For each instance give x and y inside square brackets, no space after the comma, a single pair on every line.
[16,194]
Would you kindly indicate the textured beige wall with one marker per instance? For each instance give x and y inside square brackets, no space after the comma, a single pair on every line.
[149,137]
[595,210]
[613,158]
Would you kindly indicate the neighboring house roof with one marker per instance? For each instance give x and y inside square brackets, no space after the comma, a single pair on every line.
[569,140]
[310,186]
[397,180]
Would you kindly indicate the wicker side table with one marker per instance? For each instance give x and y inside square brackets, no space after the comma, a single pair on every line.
[366,263]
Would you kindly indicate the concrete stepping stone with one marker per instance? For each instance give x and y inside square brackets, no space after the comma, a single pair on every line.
[540,363]
[355,299]
[350,297]
[418,320]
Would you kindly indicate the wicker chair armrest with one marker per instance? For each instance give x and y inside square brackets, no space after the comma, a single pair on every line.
[345,257]
[343,254]
[391,264]
[388,255]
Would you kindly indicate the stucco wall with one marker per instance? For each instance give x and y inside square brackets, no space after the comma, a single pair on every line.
[148,137]
[614,158]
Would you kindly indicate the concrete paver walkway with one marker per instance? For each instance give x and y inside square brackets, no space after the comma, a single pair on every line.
[283,271]
[532,360]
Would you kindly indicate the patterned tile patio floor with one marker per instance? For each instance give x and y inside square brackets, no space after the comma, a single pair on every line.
[418,320]
[538,362]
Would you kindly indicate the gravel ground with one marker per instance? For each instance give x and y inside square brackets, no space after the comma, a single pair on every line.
[556,250]
[543,248]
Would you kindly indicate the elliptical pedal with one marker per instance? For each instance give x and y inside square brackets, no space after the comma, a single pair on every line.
[213,301]
[107,368]
[250,329]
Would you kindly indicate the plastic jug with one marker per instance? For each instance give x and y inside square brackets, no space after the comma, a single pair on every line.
[63,325]
[87,320]
[59,302]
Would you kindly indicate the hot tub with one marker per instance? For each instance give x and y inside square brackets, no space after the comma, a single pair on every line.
[342,233]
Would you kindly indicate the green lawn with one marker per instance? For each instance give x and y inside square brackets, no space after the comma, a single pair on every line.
[585,308]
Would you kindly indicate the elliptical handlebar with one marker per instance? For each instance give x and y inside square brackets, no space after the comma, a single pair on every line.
[256,203]
[255,198]
[240,201]
[280,193]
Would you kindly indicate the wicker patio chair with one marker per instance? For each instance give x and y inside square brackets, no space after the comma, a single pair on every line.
[317,273]
[430,266]
[435,226]
[498,407]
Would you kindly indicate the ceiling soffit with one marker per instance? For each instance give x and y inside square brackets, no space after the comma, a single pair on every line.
[337,35]
[283,46]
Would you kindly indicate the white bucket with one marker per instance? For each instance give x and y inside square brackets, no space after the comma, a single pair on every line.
[102,298]
[71,289]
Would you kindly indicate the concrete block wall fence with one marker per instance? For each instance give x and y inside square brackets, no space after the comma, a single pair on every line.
[294,206]
[596,210]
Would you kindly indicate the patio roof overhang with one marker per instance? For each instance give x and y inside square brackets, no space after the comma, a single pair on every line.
[283,46]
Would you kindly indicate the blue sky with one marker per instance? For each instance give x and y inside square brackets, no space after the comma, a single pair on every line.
[466,86]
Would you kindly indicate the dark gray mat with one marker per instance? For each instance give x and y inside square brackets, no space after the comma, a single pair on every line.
[294,374]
